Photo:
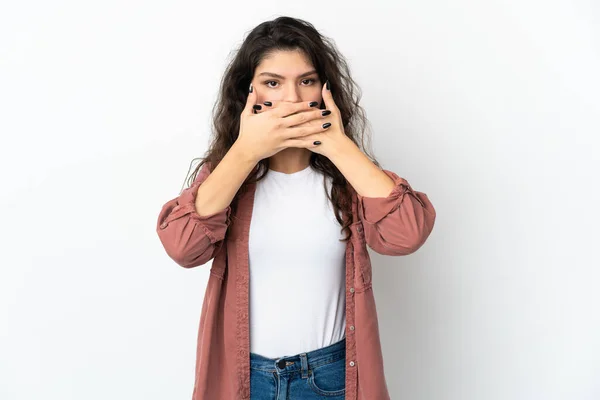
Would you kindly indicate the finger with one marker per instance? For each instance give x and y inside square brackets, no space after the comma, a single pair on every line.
[328,98]
[307,142]
[306,129]
[305,117]
[286,109]
[250,101]
[264,106]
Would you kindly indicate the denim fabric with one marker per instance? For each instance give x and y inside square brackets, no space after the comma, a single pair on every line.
[318,374]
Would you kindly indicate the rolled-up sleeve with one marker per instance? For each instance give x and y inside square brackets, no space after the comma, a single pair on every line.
[188,238]
[398,224]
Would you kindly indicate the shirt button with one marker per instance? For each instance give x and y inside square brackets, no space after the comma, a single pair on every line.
[352,363]
[351,290]
[163,225]
[351,327]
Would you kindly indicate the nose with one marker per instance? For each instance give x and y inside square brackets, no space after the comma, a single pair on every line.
[292,94]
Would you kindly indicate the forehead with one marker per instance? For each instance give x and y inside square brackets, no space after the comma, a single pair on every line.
[286,63]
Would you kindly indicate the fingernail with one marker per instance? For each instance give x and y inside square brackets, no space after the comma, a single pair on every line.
[326,125]
[257,107]
[325,112]
[327,85]
[313,104]
[251,89]
[268,103]
[316,142]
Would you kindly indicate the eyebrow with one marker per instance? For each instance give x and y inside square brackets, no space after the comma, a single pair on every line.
[314,71]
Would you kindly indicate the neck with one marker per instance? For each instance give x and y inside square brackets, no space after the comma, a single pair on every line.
[290,160]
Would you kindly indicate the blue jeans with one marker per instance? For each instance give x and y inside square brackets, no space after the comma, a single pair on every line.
[318,374]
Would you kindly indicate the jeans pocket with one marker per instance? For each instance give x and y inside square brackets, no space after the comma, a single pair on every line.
[328,379]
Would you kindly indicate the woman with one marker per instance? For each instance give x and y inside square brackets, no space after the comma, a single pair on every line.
[285,206]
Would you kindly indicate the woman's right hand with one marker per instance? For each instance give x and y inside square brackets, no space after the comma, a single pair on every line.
[266,133]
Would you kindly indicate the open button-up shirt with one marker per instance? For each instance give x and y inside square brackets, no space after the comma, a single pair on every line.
[394,225]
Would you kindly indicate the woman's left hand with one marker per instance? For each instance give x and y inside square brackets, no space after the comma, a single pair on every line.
[331,138]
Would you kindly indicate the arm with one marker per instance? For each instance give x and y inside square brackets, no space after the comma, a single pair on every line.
[192,226]
[396,219]
[398,224]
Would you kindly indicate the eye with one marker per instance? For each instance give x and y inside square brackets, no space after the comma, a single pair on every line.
[268,83]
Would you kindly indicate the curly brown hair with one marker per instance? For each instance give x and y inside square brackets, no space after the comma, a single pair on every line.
[287,33]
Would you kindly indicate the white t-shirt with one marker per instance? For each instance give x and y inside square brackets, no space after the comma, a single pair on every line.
[297,266]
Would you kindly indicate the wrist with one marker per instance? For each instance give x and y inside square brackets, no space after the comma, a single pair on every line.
[343,148]
[242,155]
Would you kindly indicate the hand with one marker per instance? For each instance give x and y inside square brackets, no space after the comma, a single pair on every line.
[264,134]
[332,138]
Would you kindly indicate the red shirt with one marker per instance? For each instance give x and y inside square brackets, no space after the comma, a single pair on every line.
[394,225]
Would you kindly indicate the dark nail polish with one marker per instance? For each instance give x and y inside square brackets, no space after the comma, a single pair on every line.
[257,107]
[316,142]
[268,103]
[326,125]
[327,85]
[325,112]
[251,89]
[313,104]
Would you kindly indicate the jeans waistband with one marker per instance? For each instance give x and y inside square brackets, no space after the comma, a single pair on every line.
[300,361]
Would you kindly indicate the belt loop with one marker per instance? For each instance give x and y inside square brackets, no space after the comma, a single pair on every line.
[304,364]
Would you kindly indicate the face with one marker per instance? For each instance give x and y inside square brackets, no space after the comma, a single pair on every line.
[286,76]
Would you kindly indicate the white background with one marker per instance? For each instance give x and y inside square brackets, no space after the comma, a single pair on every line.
[490,107]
